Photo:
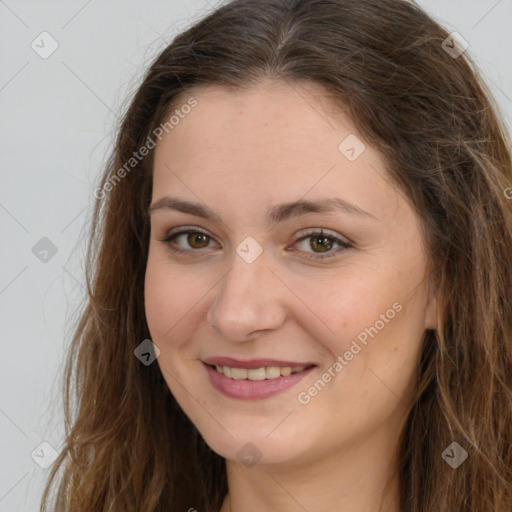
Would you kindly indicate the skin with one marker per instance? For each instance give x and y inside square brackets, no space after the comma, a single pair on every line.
[240,153]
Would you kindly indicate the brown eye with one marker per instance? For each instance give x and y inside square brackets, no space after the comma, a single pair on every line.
[187,241]
[197,240]
[321,243]
[317,244]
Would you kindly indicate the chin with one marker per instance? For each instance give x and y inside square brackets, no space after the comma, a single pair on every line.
[254,448]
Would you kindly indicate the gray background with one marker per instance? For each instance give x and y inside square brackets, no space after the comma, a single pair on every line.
[58,116]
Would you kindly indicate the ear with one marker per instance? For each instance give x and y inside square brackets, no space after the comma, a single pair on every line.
[431,319]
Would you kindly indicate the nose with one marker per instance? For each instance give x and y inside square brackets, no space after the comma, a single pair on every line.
[249,298]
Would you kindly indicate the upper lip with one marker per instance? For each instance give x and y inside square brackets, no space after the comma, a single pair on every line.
[253,363]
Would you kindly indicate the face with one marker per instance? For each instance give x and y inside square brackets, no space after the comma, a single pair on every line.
[280,243]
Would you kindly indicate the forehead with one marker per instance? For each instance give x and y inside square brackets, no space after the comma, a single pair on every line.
[275,140]
[270,120]
[271,103]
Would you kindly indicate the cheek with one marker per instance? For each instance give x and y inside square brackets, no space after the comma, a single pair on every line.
[375,327]
[176,300]
[341,307]
[166,297]
[168,308]
[158,302]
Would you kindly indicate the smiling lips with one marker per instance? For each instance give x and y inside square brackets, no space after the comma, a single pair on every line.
[256,369]
[257,378]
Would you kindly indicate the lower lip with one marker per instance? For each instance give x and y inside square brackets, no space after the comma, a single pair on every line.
[253,389]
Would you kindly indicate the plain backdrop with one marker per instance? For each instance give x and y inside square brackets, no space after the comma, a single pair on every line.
[56,128]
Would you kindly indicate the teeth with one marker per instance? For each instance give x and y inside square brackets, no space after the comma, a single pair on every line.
[286,371]
[238,373]
[255,374]
[269,372]
[272,372]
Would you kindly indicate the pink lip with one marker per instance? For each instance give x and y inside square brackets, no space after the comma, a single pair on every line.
[253,389]
[252,363]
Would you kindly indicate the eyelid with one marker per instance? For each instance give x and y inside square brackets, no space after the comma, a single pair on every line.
[318,231]
[186,229]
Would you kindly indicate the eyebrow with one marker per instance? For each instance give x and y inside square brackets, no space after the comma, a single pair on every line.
[275,214]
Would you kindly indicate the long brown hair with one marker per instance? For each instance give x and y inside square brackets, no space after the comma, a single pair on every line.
[128,445]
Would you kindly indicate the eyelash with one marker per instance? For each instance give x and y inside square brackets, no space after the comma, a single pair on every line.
[344,245]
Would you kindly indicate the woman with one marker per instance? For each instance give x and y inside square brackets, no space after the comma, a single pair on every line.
[299,275]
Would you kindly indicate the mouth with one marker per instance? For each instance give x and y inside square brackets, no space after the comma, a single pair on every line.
[255,383]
